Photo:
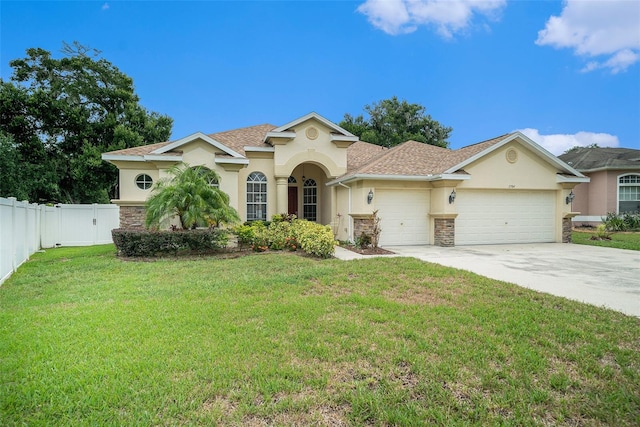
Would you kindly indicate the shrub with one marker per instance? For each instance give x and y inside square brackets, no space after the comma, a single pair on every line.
[375,230]
[631,220]
[277,234]
[246,235]
[363,240]
[601,233]
[628,221]
[287,232]
[315,239]
[145,243]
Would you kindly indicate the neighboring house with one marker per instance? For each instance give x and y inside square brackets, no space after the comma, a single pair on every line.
[614,185]
[504,190]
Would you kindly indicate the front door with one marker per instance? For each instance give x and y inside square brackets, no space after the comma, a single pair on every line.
[293,201]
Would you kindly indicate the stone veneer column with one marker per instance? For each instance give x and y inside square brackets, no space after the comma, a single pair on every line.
[132,216]
[566,230]
[444,232]
[362,223]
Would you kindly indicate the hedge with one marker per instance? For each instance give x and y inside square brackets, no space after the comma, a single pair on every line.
[145,243]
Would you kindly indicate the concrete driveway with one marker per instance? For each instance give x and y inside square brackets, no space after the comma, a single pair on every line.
[599,276]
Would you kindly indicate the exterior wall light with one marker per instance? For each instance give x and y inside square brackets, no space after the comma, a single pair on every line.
[570,197]
[452,196]
[369,197]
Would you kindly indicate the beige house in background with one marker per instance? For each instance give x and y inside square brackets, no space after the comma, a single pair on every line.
[504,190]
[614,185]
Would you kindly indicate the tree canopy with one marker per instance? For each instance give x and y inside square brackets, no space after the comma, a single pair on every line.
[391,122]
[191,195]
[57,116]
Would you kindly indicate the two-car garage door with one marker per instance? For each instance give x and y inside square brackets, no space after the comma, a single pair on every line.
[484,217]
[494,217]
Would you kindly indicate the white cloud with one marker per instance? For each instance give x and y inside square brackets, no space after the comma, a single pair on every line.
[448,17]
[559,143]
[595,29]
[105,6]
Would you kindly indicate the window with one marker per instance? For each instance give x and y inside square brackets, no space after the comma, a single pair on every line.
[310,200]
[629,193]
[292,180]
[205,171]
[256,197]
[144,181]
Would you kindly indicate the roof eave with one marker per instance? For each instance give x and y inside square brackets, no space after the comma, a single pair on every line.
[122,158]
[157,158]
[234,161]
[579,179]
[249,149]
[426,178]
[610,168]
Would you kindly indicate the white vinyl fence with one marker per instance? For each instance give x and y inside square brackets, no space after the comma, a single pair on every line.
[26,227]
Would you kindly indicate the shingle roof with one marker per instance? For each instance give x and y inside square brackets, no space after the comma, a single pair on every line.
[237,139]
[417,158]
[141,150]
[409,158]
[585,159]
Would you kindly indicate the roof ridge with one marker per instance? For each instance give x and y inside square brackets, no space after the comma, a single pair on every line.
[242,128]
[486,140]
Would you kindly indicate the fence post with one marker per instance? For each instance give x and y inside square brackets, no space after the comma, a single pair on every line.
[95,223]
[12,233]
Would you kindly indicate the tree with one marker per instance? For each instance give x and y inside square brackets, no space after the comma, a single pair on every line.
[392,122]
[190,196]
[62,114]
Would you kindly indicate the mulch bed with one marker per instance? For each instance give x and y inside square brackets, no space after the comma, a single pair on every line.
[368,250]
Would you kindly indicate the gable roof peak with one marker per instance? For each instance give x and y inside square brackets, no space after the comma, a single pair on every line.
[313,115]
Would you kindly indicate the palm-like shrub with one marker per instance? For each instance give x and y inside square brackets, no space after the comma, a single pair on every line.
[189,196]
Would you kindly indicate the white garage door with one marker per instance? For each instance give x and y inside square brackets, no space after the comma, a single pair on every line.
[493,217]
[403,217]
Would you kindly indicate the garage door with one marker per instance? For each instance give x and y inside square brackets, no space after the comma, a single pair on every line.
[403,217]
[493,217]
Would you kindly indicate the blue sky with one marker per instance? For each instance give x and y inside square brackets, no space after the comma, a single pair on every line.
[567,73]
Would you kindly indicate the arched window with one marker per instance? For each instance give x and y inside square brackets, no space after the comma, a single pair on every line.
[256,197]
[292,180]
[310,200]
[629,193]
[211,179]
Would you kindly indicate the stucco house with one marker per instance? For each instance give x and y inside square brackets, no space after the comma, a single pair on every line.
[504,190]
[614,185]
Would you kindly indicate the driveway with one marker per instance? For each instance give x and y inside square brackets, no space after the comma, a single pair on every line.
[594,275]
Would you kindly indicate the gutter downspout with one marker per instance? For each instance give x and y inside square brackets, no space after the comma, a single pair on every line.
[350,225]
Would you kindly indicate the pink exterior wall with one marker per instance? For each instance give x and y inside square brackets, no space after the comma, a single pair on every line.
[600,196]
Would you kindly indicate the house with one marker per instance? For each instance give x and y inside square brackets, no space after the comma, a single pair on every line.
[614,185]
[503,190]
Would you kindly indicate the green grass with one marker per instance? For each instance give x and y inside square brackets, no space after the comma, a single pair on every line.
[618,240]
[281,339]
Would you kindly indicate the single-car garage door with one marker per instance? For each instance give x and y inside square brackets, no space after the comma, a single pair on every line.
[493,217]
[404,217]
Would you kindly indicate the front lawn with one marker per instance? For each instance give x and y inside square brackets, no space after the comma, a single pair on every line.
[282,339]
[619,240]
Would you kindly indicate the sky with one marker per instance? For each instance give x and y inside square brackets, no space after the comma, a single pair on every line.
[565,73]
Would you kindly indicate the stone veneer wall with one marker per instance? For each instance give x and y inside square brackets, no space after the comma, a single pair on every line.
[566,230]
[362,225]
[444,232]
[132,216]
